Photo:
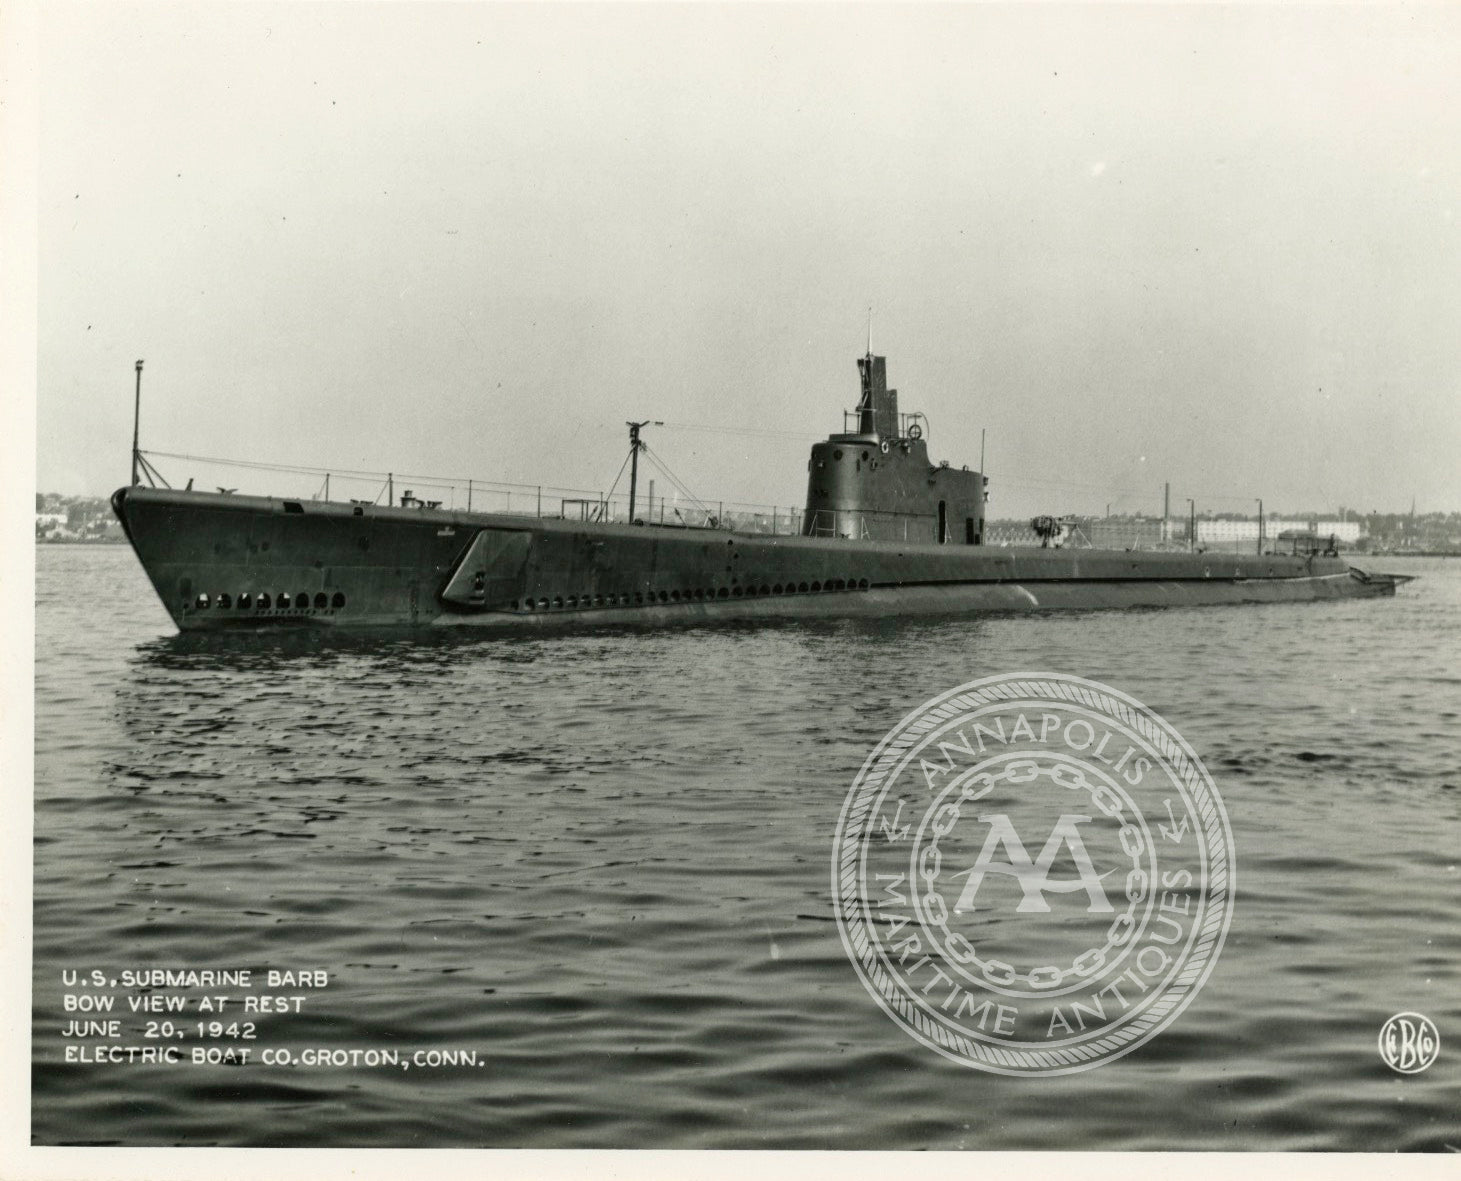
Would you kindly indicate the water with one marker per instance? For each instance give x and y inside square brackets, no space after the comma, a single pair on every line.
[601,862]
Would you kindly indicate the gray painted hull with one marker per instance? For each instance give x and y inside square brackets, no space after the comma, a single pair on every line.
[971,599]
[237,562]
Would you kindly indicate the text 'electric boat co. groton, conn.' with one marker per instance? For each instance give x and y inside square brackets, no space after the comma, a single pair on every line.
[884,532]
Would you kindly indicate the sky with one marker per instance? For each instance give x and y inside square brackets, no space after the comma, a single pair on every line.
[1211,246]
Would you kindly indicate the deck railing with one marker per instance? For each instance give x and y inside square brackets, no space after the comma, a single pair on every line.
[468,494]
[463,493]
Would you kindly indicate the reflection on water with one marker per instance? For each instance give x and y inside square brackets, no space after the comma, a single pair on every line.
[601,860]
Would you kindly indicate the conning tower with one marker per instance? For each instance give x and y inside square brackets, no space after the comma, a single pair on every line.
[878,484]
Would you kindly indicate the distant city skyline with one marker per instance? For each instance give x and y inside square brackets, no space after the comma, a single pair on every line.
[1215,246]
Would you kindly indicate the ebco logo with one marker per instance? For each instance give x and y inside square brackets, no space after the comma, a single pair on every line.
[1033,874]
[1409,1043]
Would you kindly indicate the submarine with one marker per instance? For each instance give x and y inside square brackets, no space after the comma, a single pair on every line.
[885,532]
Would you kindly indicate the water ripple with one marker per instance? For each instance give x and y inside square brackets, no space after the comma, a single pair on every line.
[600,861]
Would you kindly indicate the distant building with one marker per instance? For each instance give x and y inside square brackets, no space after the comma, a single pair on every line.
[1122,532]
[52,526]
[1136,532]
[75,519]
[1404,532]
[1228,531]
[1345,531]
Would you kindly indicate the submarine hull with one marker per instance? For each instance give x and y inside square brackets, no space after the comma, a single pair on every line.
[220,561]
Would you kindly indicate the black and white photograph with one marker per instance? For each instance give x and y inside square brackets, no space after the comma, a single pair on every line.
[731,577]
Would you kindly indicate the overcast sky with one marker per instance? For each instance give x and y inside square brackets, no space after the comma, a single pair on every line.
[1216,246]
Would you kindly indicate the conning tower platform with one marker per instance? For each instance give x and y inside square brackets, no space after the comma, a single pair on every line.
[878,484]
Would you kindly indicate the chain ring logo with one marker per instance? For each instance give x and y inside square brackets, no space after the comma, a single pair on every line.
[1033,874]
